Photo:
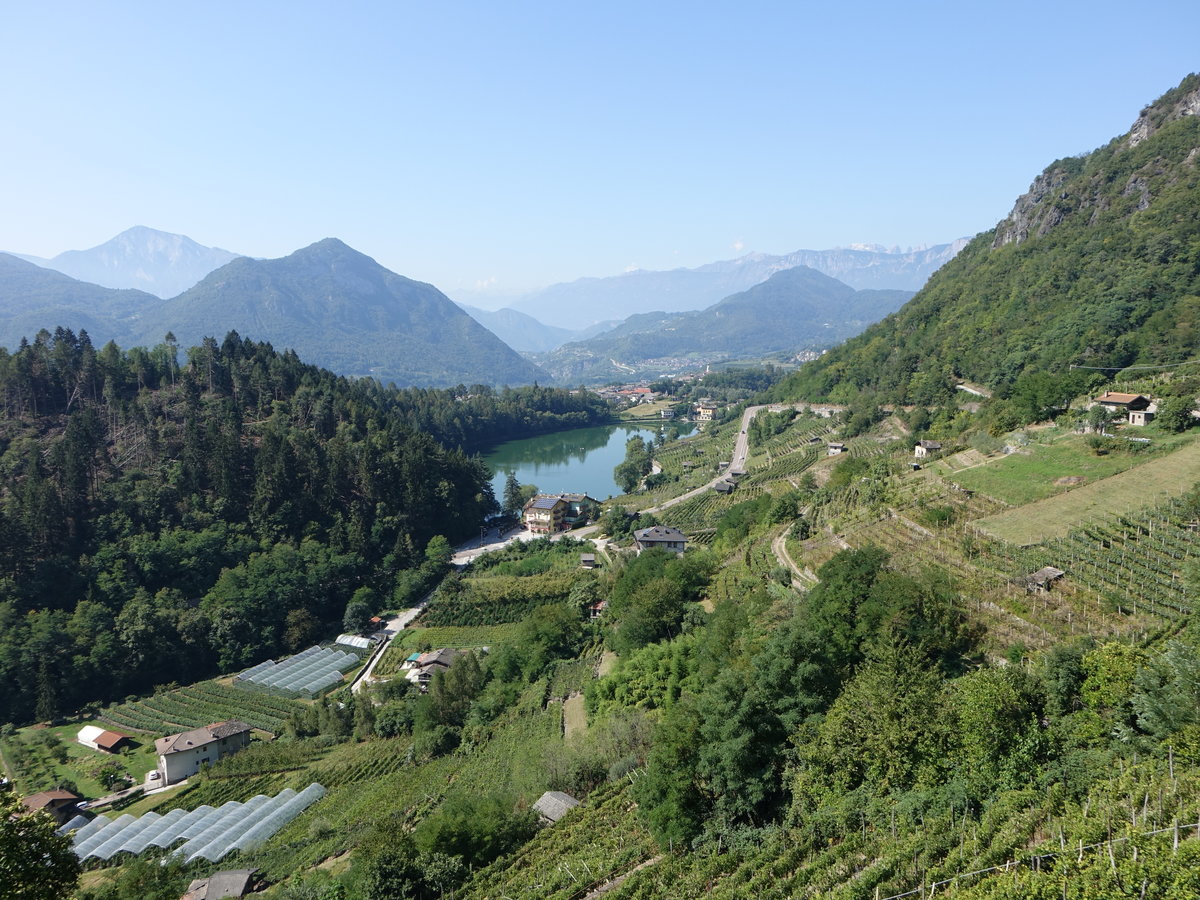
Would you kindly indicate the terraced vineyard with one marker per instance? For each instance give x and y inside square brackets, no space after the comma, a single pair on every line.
[201,704]
[593,844]
[703,511]
[1024,837]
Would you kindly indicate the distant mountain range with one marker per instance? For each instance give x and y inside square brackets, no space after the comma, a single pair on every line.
[160,263]
[794,310]
[334,306]
[580,303]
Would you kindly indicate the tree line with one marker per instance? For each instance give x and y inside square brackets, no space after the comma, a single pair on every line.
[161,520]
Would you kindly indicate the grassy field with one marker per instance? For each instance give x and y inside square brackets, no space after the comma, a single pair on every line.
[43,757]
[1060,464]
[1132,489]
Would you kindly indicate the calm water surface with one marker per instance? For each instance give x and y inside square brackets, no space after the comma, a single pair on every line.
[580,461]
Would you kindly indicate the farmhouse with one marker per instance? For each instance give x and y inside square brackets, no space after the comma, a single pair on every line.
[422,669]
[587,560]
[670,539]
[924,448]
[99,739]
[1122,402]
[60,804]
[181,755]
[835,447]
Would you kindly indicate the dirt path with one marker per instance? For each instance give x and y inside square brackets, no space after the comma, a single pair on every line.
[574,715]
[615,883]
[801,578]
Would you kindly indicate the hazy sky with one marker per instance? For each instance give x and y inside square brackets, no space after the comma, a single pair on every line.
[512,145]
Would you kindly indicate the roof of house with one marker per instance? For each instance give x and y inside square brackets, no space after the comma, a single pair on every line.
[544,502]
[231,883]
[102,738]
[587,557]
[43,799]
[659,533]
[578,498]
[441,657]
[1116,397]
[930,445]
[553,805]
[198,737]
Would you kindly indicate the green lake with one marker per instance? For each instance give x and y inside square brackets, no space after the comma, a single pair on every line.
[579,461]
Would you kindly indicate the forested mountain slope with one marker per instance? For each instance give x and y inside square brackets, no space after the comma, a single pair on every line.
[793,310]
[342,310]
[33,298]
[1096,265]
[160,523]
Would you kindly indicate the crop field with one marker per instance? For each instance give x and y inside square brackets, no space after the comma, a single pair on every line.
[1057,463]
[889,856]
[200,704]
[1135,488]
[464,637]
[705,510]
[378,780]
[594,843]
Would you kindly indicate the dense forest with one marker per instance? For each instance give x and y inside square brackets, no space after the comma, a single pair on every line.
[162,520]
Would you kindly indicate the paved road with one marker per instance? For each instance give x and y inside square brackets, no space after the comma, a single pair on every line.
[394,626]
[741,451]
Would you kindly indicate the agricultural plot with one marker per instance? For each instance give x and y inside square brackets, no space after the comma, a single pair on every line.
[594,843]
[203,833]
[1135,488]
[1027,843]
[200,704]
[496,599]
[379,780]
[464,637]
[40,758]
[705,510]
[306,674]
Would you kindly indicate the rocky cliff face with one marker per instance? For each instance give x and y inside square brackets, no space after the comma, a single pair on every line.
[1067,187]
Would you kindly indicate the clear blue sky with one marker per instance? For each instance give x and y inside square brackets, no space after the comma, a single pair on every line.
[515,144]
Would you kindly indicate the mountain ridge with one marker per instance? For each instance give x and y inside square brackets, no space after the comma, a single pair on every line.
[158,262]
[796,309]
[343,310]
[684,289]
[1094,266]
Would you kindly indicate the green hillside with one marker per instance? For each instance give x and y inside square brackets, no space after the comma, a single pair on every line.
[1095,266]
[793,310]
[342,310]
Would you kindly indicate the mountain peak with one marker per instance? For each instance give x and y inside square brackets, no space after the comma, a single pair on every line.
[158,262]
